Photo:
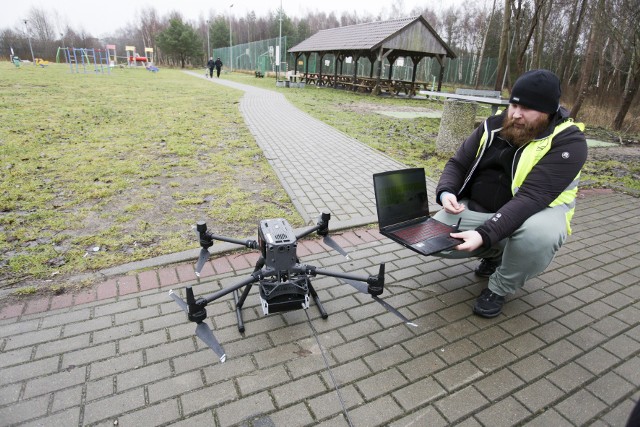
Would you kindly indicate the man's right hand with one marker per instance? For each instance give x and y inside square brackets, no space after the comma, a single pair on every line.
[451,205]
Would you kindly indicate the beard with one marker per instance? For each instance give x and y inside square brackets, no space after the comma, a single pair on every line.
[520,134]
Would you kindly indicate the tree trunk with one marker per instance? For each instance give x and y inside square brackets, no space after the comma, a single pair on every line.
[587,66]
[504,46]
[540,37]
[568,53]
[631,89]
[539,4]
[484,44]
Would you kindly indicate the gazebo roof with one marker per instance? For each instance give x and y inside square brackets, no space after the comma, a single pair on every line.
[405,36]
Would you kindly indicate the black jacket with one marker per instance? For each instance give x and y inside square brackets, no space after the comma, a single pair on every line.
[489,184]
[211,64]
[218,63]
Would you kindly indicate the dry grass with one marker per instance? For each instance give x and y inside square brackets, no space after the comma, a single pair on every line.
[97,170]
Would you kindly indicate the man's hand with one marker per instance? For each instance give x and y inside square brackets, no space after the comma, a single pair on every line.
[450,204]
[472,240]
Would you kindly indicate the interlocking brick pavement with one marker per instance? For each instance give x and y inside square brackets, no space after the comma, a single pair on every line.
[565,351]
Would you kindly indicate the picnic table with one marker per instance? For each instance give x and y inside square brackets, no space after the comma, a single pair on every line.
[365,84]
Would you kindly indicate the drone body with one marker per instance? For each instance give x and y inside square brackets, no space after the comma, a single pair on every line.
[284,283]
[286,291]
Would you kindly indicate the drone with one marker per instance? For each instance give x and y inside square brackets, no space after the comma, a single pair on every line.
[284,283]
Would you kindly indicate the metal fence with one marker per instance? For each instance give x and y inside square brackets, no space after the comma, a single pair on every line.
[261,56]
[255,56]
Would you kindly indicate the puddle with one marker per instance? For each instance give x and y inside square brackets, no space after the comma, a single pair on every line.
[596,143]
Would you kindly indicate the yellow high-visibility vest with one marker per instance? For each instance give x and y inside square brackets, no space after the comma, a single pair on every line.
[531,155]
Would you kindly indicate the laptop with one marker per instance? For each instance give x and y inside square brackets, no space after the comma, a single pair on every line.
[403,212]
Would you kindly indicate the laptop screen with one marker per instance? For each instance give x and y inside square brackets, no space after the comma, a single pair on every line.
[400,196]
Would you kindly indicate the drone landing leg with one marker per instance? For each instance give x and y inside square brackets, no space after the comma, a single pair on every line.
[239,303]
[238,311]
[316,298]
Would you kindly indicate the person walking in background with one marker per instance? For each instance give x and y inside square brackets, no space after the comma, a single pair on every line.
[210,65]
[514,183]
[218,65]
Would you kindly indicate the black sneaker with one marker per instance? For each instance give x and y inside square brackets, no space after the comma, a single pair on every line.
[486,268]
[488,304]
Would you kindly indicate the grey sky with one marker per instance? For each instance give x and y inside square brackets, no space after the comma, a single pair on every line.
[100,17]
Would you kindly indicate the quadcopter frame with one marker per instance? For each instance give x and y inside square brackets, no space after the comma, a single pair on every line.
[283,281]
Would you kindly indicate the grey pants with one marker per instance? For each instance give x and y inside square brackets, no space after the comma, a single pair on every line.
[523,255]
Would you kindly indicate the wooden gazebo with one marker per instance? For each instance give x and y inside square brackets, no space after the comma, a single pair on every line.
[406,37]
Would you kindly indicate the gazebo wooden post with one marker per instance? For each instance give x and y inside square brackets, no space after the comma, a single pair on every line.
[416,60]
[355,58]
[372,61]
[320,72]
[306,64]
[440,59]
[337,58]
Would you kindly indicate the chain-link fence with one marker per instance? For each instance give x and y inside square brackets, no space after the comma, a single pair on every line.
[255,56]
[262,56]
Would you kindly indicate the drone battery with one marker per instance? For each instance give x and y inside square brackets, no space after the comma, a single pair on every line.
[284,296]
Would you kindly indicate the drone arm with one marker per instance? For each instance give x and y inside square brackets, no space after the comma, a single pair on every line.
[250,244]
[376,283]
[207,238]
[313,271]
[322,226]
[255,276]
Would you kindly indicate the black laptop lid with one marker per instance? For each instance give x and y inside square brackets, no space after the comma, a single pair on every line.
[401,196]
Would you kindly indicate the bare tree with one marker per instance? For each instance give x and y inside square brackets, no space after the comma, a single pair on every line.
[588,63]
[628,23]
[484,44]
[576,19]
[503,53]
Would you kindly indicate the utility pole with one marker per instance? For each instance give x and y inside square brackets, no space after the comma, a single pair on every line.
[208,46]
[33,58]
[278,56]
[230,42]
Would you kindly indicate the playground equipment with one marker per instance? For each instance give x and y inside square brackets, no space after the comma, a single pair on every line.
[16,61]
[109,48]
[81,57]
[148,53]
[134,58]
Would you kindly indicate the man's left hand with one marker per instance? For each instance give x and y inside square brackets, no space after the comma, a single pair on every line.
[472,240]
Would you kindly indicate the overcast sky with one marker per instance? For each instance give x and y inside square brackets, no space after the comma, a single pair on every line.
[100,17]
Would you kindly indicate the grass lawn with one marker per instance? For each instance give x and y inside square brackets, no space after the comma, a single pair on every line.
[99,169]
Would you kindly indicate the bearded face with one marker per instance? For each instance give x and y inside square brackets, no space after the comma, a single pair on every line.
[523,125]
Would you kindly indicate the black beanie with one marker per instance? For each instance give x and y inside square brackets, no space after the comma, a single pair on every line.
[538,90]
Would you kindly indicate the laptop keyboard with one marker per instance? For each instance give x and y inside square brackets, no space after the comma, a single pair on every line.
[422,231]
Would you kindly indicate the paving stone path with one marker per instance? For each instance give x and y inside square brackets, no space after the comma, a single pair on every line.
[565,352]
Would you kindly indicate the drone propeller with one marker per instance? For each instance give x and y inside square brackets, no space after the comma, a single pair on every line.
[327,240]
[203,331]
[183,305]
[363,288]
[202,259]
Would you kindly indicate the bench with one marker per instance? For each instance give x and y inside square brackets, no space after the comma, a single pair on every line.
[495,102]
[479,92]
[259,74]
